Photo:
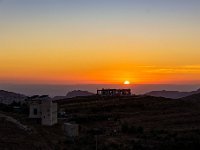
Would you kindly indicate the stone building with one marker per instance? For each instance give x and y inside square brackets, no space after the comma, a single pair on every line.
[43,108]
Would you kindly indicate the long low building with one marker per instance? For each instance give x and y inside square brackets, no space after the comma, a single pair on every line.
[114,92]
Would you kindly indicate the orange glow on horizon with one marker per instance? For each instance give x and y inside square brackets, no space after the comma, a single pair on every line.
[77,44]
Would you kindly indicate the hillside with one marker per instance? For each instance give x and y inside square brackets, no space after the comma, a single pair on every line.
[75,93]
[78,93]
[172,94]
[119,123]
[141,110]
[194,97]
[140,122]
[15,137]
[9,97]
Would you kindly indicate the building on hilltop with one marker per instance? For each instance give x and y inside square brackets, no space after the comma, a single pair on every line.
[114,92]
[44,109]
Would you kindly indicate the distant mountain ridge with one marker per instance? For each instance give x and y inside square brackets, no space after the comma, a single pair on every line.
[9,97]
[172,94]
[74,93]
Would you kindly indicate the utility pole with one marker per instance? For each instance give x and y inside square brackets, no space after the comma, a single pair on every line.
[96,137]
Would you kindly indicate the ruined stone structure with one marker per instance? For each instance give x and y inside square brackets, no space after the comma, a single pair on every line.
[114,92]
[42,107]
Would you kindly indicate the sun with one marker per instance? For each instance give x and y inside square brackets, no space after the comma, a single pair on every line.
[126,82]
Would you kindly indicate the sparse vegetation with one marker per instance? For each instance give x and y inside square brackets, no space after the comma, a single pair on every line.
[139,123]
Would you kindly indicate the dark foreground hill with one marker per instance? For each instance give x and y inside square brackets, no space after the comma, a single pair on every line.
[12,137]
[140,122]
[121,123]
[172,94]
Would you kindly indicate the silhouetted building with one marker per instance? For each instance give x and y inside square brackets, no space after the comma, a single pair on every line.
[42,107]
[114,92]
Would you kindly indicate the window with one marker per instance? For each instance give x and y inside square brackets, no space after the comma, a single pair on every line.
[35,111]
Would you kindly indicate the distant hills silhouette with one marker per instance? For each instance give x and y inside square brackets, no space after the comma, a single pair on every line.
[9,97]
[74,93]
[172,94]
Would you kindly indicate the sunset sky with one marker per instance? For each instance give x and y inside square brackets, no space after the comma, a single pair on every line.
[99,41]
